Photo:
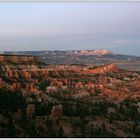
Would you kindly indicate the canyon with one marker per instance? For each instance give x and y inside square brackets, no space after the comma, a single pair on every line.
[38,99]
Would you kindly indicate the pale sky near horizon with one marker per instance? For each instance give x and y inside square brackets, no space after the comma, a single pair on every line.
[70,26]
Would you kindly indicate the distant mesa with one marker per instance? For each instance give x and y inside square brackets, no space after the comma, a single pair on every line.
[93,52]
[71,52]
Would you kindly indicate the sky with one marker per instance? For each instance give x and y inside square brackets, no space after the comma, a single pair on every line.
[70,26]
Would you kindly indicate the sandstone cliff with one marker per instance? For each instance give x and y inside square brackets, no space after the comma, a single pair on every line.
[104,69]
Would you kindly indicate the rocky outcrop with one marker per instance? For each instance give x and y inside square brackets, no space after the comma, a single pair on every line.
[1,83]
[104,69]
[30,111]
[57,111]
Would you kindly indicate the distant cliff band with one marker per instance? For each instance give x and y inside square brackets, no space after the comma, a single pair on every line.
[18,58]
